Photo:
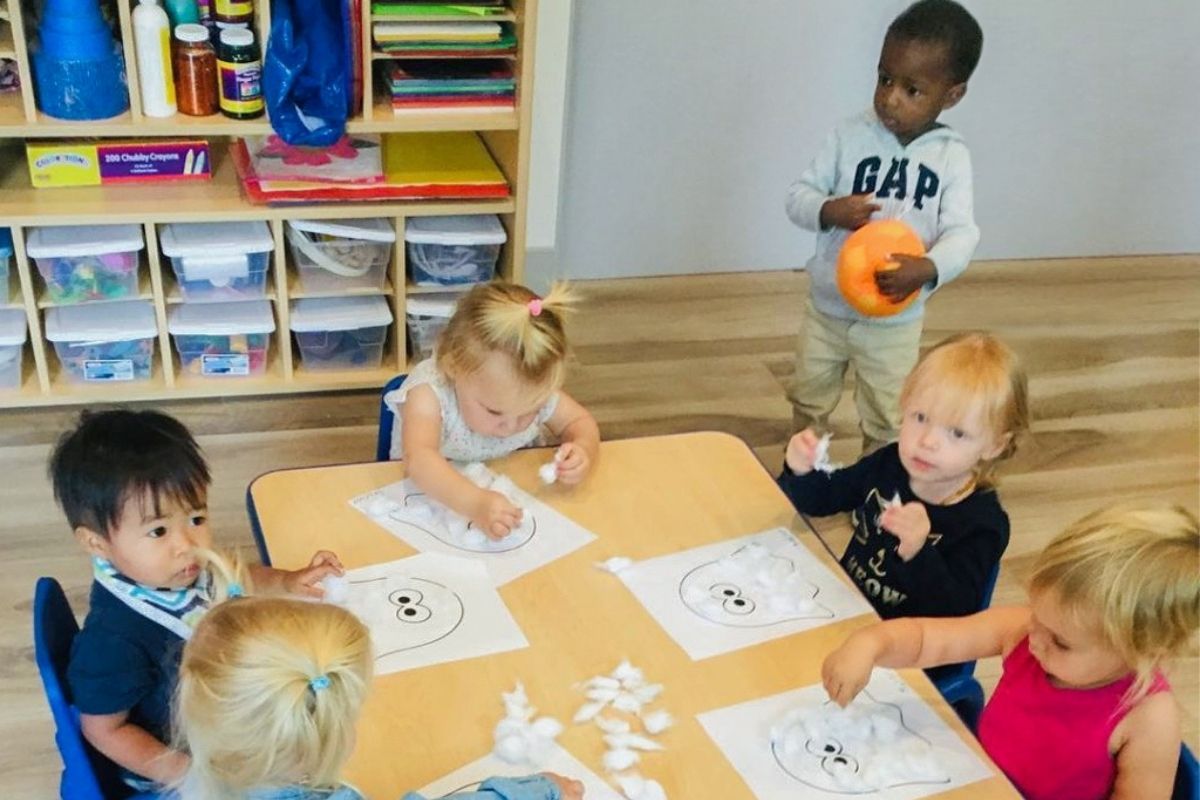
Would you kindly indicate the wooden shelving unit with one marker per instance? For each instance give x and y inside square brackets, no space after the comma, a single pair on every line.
[22,207]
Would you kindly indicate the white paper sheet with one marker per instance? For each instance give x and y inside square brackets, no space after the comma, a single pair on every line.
[887,744]
[469,777]
[740,592]
[430,609]
[543,536]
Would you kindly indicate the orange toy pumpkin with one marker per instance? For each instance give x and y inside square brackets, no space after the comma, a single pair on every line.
[869,250]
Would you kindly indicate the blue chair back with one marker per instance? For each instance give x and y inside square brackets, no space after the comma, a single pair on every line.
[1187,776]
[87,775]
[967,668]
[957,683]
[387,420]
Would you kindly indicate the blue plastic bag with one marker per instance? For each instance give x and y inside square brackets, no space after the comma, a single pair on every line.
[307,73]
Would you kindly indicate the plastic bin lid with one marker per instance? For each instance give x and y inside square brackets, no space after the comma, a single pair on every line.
[183,239]
[12,326]
[458,229]
[6,247]
[375,229]
[221,319]
[66,241]
[432,305]
[101,322]
[339,313]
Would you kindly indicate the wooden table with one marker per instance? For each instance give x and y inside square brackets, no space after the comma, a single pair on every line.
[646,497]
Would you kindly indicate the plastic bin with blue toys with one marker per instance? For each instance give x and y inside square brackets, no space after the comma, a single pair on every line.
[340,333]
[219,261]
[222,339]
[12,347]
[455,250]
[87,263]
[103,342]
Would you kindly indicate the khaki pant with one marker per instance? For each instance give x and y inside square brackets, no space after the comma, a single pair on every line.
[882,356]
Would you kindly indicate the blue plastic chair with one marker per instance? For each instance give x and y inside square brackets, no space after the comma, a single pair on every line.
[959,688]
[387,420]
[87,775]
[1187,776]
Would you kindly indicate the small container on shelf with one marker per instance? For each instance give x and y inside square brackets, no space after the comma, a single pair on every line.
[6,251]
[219,261]
[454,250]
[12,347]
[334,255]
[104,342]
[341,333]
[87,263]
[426,316]
[222,339]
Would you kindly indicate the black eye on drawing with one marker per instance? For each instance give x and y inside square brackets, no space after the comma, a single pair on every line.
[839,764]
[408,605]
[823,747]
[723,590]
[732,599]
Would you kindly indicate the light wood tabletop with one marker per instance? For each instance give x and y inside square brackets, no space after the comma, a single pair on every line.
[646,497]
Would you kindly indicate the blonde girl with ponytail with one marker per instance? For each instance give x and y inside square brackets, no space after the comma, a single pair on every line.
[492,385]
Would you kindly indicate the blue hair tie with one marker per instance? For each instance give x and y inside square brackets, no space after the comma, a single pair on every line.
[235,590]
[318,683]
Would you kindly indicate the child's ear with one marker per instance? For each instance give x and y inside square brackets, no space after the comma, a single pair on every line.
[93,543]
[999,445]
[956,93]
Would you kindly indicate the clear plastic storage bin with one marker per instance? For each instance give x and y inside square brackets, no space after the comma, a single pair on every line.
[335,333]
[6,252]
[104,342]
[216,261]
[332,255]
[427,316]
[87,263]
[222,339]
[12,347]
[455,250]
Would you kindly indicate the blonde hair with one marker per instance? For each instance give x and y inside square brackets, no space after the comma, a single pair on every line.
[974,370]
[500,317]
[269,693]
[230,576]
[1138,568]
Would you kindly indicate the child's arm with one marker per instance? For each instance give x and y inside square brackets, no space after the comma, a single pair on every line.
[546,786]
[132,747]
[576,428]
[820,493]
[810,202]
[1147,750]
[919,642]
[299,581]
[422,436]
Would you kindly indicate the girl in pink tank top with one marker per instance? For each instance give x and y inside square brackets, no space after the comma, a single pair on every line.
[1082,711]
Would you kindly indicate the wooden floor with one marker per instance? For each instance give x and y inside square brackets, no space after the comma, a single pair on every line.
[1112,347]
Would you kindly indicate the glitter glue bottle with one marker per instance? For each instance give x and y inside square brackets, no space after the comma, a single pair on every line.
[239,72]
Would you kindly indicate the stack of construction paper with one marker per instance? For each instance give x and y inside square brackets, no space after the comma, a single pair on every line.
[451,85]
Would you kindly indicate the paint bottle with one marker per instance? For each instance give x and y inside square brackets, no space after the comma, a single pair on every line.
[195,71]
[181,12]
[233,10]
[239,71]
[152,42]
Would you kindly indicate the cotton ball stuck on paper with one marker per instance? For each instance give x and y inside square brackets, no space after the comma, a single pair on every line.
[381,506]
[337,589]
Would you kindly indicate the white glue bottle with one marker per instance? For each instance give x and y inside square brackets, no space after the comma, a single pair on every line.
[152,41]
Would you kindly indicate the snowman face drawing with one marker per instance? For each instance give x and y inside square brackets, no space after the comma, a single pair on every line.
[750,588]
[407,612]
[862,749]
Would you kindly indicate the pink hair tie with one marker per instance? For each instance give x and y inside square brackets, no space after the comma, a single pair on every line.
[535,306]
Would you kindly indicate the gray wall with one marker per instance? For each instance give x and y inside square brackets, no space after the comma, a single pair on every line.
[687,120]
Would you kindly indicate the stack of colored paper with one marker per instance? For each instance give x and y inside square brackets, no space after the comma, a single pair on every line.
[443,166]
[416,8]
[445,39]
[451,85]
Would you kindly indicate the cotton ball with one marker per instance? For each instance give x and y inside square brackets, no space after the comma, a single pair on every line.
[514,725]
[632,785]
[473,537]
[548,472]
[653,790]
[381,506]
[615,564]
[627,702]
[547,727]
[337,589]
[601,695]
[504,485]
[588,711]
[884,727]
[612,725]
[632,741]
[477,474]
[620,760]
[603,682]
[456,526]
[647,693]
[696,595]
[512,749]
[657,721]
[628,674]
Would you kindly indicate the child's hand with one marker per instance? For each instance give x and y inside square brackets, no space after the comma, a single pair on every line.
[495,515]
[568,789]
[573,463]
[802,451]
[913,273]
[910,524]
[848,669]
[850,212]
[304,581]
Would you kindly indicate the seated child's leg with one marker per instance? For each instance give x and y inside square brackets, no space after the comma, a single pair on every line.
[883,355]
[822,354]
